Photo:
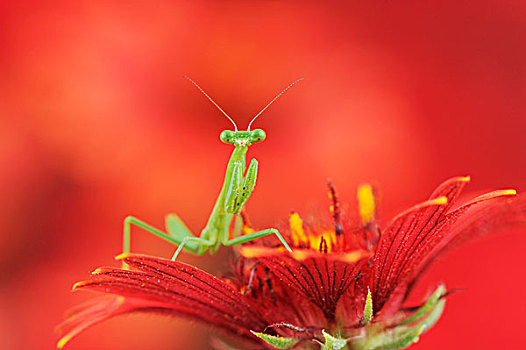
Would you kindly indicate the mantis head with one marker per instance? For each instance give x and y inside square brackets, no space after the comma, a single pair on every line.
[242,138]
[237,137]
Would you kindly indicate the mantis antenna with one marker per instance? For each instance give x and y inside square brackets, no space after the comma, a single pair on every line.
[274,99]
[215,104]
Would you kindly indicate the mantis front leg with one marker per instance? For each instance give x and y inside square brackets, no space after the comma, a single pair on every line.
[241,187]
[240,196]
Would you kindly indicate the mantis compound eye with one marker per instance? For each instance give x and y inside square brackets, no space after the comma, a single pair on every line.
[257,135]
[227,136]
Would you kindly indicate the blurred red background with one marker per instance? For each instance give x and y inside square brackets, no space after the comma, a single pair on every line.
[97,123]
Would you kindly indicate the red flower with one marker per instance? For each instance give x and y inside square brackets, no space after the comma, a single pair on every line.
[342,285]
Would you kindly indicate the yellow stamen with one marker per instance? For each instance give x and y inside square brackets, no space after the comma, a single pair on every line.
[296,229]
[315,242]
[328,236]
[366,203]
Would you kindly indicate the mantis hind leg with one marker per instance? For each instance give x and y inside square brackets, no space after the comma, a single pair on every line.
[201,244]
[256,235]
[174,237]
[176,227]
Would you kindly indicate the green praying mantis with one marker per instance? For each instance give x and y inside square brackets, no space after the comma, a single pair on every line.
[236,191]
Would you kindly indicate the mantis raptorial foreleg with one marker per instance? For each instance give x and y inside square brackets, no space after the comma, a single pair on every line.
[233,187]
[249,182]
[242,195]
[243,187]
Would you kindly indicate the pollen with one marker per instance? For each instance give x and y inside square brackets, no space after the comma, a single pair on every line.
[366,203]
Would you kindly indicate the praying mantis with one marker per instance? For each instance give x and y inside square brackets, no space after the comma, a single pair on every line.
[236,190]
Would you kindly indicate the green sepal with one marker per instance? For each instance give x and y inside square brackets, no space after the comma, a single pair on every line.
[332,343]
[396,338]
[433,316]
[402,336]
[429,305]
[276,341]
[368,309]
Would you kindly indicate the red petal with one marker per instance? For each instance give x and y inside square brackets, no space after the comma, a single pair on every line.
[169,286]
[400,239]
[321,280]
[97,310]
[483,217]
